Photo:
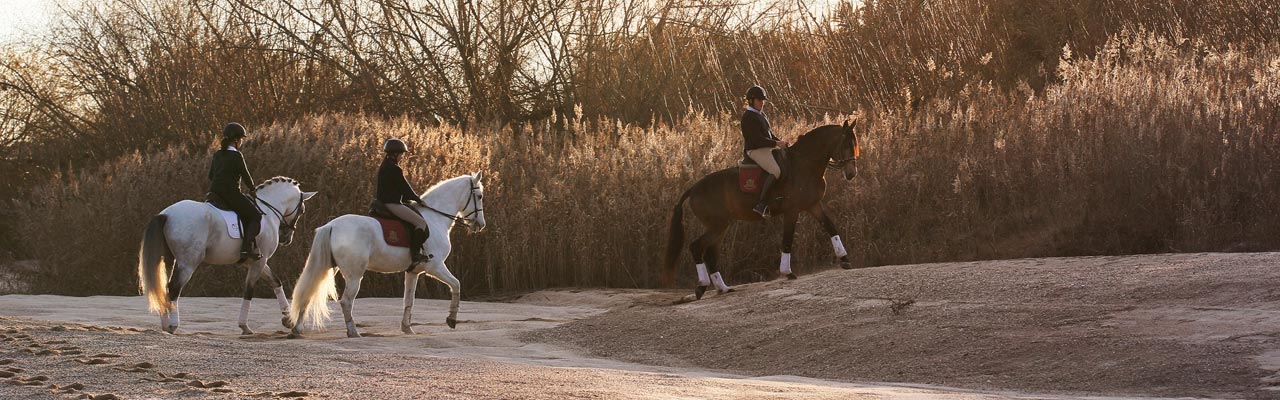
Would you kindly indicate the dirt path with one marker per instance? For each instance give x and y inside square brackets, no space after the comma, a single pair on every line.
[107,347]
[1167,325]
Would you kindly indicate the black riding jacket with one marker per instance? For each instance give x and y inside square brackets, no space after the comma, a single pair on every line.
[226,172]
[392,187]
[755,132]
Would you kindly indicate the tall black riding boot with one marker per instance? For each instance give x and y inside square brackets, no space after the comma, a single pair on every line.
[766,195]
[416,239]
[248,249]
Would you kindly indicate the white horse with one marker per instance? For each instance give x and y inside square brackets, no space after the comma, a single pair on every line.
[354,244]
[189,233]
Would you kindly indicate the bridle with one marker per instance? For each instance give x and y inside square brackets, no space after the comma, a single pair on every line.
[469,219]
[838,164]
[298,211]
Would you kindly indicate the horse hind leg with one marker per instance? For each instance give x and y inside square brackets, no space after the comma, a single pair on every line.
[348,301]
[702,249]
[178,279]
[712,257]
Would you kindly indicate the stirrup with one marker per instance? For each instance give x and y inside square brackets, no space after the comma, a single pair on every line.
[415,259]
[763,210]
[249,255]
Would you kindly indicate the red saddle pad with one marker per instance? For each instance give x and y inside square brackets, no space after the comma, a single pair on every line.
[749,179]
[393,232]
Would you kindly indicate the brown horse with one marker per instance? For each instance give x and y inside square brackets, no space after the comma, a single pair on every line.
[717,202]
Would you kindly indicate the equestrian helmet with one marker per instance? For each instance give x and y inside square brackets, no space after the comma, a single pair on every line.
[756,92]
[233,131]
[394,145]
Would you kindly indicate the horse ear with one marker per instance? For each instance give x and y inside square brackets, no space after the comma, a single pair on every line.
[479,175]
[307,195]
[845,125]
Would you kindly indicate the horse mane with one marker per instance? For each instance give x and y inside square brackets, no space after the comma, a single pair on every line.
[446,182]
[278,179]
[812,135]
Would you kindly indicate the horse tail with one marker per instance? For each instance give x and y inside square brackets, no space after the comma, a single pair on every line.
[151,268]
[316,285]
[675,239]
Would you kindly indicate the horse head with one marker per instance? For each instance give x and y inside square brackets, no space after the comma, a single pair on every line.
[846,151]
[287,202]
[477,194]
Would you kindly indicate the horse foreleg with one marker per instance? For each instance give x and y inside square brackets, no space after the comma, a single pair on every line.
[274,281]
[349,300]
[788,237]
[441,273]
[177,280]
[836,244]
[255,271]
[410,292]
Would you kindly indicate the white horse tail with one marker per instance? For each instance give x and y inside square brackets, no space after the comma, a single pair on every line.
[151,268]
[315,286]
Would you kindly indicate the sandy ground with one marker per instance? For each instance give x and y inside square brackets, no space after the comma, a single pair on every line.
[1196,325]
[108,347]
[1167,325]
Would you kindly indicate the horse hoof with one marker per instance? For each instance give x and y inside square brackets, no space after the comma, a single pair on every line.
[353,335]
[729,290]
[294,335]
[845,265]
[697,293]
[791,276]
[408,330]
[245,331]
[453,323]
[171,329]
[286,322]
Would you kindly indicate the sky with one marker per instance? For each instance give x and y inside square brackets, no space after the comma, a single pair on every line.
[19,18]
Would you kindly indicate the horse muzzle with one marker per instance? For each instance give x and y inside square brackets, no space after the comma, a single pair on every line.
[849,175]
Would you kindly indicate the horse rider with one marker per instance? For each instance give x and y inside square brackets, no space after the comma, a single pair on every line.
[226,172]
[394,191]
[758,144]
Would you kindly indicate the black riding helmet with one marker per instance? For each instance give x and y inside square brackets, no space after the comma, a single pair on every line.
[233,131]
[394,145]
[756,92]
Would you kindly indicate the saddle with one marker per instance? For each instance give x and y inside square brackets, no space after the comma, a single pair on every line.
[216,201]
[751,176]
[395,231]
[235,227]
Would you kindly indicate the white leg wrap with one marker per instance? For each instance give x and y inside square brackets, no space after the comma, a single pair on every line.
[784,266]
[244,312]
[838,246]
[703,280]
[719,282]
[280,297]
[173,316]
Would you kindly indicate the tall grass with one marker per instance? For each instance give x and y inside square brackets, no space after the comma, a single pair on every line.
[1151,145]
